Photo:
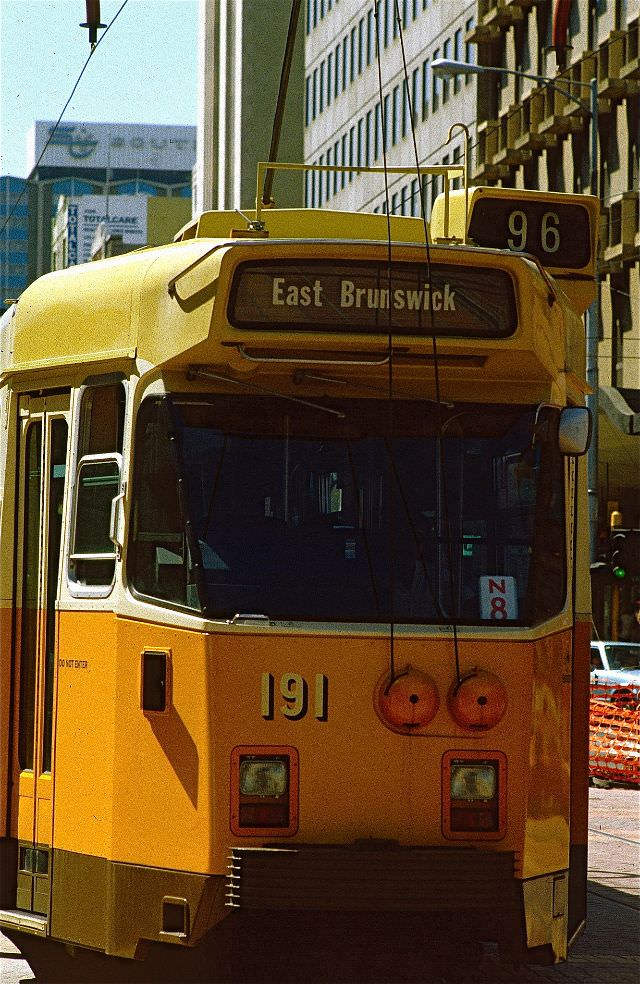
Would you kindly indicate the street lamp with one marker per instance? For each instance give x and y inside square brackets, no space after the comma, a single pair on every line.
[444,67]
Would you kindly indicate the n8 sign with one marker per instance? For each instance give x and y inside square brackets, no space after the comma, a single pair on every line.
[498,598]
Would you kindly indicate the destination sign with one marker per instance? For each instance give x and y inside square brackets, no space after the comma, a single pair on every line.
[368,296]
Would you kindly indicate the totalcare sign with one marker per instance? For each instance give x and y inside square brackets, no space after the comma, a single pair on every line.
[371,296]
[122,215]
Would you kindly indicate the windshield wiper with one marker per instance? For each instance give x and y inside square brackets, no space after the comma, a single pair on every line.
[197,372]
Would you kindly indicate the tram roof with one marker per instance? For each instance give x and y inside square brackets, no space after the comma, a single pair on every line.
[157,304]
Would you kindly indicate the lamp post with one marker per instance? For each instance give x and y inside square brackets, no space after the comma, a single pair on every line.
[443,67]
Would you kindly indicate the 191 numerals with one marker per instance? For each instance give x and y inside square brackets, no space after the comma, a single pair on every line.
[294,691]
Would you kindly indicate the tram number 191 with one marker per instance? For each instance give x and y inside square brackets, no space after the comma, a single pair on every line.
[294,691]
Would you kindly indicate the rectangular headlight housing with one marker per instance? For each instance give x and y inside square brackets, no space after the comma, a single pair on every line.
[264,791]
[474,795]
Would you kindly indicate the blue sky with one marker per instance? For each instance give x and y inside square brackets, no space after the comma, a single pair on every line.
[145,70]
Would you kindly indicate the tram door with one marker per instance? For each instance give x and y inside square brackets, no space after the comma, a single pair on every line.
[42,457]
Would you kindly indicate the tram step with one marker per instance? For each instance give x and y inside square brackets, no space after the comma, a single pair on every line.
[28,922]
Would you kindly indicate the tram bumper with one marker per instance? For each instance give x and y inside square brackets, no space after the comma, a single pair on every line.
[455,895]
[360,878]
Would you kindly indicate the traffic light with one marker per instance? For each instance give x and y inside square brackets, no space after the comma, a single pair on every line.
[624,555]
[616,559]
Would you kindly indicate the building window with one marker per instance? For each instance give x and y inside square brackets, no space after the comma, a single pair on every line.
[345,62]
[353,55]
[415,197]
[415,94]
[352,140]
[371,38]
[446,84]
[435,85]
[345,160]
[321,89]
[457,155]
[360,151]
[425,88]
[389,22]
[314,104]
[386,122]
[367,151]
[406,114]
[361,43]
[395,121]
[457,54]
[329,77]
[377,139]
[336,87]
[468,49]
[336,160]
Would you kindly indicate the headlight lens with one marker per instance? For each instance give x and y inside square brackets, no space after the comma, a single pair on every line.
[473,783]
[263,777]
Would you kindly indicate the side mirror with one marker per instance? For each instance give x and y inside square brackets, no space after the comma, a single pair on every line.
[574,430]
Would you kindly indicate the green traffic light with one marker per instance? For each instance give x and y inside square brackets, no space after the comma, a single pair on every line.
[619,572]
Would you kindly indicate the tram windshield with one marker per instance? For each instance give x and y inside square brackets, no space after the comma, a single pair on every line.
[358,511]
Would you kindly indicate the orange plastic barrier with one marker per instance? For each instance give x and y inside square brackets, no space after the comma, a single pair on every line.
[614,733]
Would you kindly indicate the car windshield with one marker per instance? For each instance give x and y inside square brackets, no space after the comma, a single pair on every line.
[623,657]
[360,511]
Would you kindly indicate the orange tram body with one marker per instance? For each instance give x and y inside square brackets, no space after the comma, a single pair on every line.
[294,580]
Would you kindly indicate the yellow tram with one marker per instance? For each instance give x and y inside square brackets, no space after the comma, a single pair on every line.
[295,608]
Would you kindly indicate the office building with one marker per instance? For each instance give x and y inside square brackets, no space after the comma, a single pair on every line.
[77,159]
[14,232]
[241,49]
[361,108]
[533,136]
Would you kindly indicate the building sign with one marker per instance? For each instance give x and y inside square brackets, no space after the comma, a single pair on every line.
[345,296]
[122,215]
[72,235]
[113,145]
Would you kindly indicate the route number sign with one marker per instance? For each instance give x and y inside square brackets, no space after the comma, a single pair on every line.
[498,598]
[557,233]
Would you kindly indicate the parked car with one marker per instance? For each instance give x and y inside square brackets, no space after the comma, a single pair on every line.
[615,664]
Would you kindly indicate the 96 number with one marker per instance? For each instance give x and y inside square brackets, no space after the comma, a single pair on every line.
[549,231]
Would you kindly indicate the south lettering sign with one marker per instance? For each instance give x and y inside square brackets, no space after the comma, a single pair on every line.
[371,297]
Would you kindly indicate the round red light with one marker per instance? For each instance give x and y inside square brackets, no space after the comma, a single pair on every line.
[478,701]
[408,702]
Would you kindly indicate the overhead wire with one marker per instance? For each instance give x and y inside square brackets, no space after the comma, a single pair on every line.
[453,591]
[453,580]
[392,566]
[64,108]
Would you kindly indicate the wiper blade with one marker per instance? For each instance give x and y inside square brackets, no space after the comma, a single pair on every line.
[197,372]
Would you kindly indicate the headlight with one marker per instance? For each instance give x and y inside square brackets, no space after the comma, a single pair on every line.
[473,782]
[474,802]
[263,777]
